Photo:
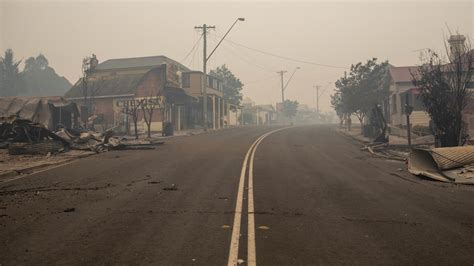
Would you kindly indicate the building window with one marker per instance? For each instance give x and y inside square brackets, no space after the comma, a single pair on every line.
[186,80]
[417,102]
[403,101]
[414,100]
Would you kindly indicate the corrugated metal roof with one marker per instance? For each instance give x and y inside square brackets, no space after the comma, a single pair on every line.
[117,85]
[452,157]
[136,62]
[35,109]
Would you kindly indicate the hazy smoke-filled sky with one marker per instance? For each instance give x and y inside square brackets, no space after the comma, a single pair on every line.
[328,33]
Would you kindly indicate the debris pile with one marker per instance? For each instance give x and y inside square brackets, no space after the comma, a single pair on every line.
[452,164]
[101,142]
[387,151]
[22,136]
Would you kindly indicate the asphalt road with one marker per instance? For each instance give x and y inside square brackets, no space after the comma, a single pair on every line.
[317,199]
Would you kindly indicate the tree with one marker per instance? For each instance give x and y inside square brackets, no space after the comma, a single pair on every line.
[88,92]
[290,108]
[30,64]
[444,91]
[38,63]
[39,79]
[232,86]
[149,105]
[131,108]
[42,62]
[11,81]
[366,86]
[338,106]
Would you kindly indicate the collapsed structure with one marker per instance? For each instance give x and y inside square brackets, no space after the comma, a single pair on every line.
[51,112]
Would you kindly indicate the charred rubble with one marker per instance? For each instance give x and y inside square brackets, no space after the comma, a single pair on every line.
[22,136]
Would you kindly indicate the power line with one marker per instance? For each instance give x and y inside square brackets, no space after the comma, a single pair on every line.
[192,49]
[192,60]
[260,80]
[247,61]
[284,57]
[241,57]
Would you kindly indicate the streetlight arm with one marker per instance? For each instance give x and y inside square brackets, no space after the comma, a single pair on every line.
[223,37]
[325,89]
[284,88]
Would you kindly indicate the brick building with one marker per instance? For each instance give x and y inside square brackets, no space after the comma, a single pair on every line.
[113,83]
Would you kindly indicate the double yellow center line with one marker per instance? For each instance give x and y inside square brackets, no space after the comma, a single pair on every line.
[234,244]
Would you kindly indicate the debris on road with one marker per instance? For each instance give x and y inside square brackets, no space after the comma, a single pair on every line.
[70,210]
[173,187]
[450,164]
[387,151]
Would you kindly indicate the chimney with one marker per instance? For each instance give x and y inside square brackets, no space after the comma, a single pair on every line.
[456,45]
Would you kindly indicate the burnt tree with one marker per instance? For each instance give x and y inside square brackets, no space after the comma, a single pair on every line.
[148,106]
[131,108]
[444,90]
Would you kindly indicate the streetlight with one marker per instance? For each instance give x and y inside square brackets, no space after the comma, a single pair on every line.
[205,58]
[223,37]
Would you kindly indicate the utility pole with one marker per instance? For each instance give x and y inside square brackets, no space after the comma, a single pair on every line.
[408,111]
[204,29]
[282,86]
[317,98]
[205,58]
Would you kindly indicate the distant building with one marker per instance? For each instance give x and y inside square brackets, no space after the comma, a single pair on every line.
[265,114]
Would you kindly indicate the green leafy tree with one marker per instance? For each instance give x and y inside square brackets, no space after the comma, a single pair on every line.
[366,86]
[232,86]
[290,108]
[338,106]
[10,81]
[445,93]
